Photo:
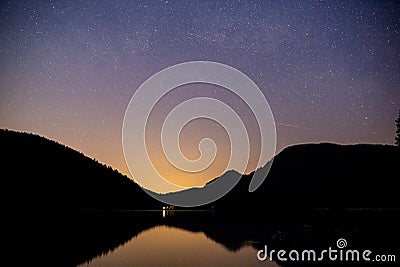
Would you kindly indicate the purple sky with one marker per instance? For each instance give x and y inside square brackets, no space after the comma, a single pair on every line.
[330,70]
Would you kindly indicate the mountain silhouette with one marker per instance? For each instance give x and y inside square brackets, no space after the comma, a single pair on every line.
[41,174]
[323,176]
[316,176]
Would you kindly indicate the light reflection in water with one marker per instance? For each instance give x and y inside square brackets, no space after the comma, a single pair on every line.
[170,246]
[168,211]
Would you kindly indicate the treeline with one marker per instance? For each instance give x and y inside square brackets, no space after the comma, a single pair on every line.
[42,174]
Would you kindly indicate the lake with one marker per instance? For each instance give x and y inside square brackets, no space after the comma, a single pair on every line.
[184,238]
[170,246]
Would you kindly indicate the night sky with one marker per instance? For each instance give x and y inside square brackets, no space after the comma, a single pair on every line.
[330,70]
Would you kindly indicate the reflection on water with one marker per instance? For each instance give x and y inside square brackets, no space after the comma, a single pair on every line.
[147,238]
[168,211]
[170,246]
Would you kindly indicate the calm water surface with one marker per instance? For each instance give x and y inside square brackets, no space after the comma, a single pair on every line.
[192,238]
[170,246]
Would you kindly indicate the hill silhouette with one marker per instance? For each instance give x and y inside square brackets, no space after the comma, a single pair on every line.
[41,174]
[324,176]
[316,176]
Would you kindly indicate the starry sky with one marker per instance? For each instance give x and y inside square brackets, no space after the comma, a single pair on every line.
[330,70]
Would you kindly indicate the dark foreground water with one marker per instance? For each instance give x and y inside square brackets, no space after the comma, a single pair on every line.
[194,238]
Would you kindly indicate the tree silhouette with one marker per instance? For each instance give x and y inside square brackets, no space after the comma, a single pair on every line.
[397,138]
